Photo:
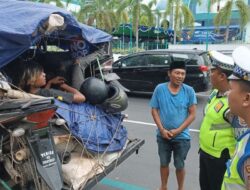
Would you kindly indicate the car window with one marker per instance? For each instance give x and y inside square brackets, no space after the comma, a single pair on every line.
[188,58]
[133,61]
[179,56]
[158,60]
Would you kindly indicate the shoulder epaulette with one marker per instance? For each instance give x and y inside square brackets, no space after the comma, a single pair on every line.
[212,95]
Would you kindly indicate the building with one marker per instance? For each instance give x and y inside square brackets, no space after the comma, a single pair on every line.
[204,17]
[201,11]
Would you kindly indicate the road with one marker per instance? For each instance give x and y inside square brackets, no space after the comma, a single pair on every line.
[141,172]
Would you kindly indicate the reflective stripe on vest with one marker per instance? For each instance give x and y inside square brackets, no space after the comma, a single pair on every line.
[232,179]
[233,187]
[220,126]
[215,133]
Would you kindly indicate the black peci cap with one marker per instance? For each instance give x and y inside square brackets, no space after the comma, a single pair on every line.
[177,65]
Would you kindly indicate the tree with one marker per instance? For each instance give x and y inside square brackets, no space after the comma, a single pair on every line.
[138,12]
[181,14]
[99,13]
[223,17]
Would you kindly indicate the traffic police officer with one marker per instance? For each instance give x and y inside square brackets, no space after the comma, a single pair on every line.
[237,176]
[217,142]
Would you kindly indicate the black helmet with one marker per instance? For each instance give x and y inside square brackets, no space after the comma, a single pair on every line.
[117,100]
[95,90]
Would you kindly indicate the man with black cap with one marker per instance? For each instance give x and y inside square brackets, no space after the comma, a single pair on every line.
[237,176]
[173,109]
[217,141]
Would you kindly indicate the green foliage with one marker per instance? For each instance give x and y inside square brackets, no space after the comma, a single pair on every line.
[182,15]
[100,13]
[146,12]
[244,13]
[223,17]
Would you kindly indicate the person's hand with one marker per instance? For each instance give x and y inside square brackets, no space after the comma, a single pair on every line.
[57,81]
[175,132]
[166,134]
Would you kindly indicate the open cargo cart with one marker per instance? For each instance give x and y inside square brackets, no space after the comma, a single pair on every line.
[53,37]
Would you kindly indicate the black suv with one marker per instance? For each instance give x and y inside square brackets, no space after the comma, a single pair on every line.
[141,72]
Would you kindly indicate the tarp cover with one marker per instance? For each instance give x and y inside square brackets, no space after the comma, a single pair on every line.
[99,132]
[20,21]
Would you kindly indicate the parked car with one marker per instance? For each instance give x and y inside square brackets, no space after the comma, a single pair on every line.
[141,72]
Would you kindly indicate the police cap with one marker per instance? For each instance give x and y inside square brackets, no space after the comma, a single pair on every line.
[241,57]
[222,61]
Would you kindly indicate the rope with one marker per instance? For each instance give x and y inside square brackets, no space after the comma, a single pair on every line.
[100,69]
[5,185]
[84,150]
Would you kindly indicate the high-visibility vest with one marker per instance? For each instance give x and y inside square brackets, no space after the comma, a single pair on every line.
[232,178]
[215,133]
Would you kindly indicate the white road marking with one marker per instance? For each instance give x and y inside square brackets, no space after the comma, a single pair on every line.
[202,94]
[152,124]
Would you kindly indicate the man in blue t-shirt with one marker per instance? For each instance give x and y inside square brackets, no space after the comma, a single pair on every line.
[173,109]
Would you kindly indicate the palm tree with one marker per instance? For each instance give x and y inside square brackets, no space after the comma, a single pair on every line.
[182,16]
[99,13]
[223,17]
[139,12]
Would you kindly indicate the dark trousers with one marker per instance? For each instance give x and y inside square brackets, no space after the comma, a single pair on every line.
[212,170]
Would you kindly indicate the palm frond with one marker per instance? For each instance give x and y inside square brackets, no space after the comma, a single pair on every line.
[169,6]
[223,17]
[135,16]
[124,5]
[114,20]
[87,9]
[243,11]
[176,17]
[188,18]
[148,13]
[121,12]
[124,17]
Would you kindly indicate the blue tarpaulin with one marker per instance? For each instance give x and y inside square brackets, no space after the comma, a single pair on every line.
[20,22]
[98,131]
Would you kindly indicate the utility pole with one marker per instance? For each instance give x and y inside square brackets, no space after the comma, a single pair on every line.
[208,13]
[131,29]
[131,33]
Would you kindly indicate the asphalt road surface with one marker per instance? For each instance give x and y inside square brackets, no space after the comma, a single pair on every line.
[141,172]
